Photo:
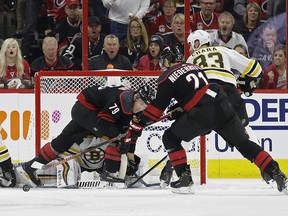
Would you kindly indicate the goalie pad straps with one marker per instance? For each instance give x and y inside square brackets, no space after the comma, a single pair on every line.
[47,153]
[262,160]
[178,160]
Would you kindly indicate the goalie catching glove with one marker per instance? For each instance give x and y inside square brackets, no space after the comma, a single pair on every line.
[247,85]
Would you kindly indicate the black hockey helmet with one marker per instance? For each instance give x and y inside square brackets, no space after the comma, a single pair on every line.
[172,54]
[146,93]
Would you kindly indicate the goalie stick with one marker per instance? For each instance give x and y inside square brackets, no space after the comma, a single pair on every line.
[147,172]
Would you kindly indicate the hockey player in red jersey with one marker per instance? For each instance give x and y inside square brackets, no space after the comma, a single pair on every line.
[205,108]
[102,112]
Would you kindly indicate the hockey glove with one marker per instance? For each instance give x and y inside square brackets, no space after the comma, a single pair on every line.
[135,130]
[175,112]
[133,166]
[122,146]
[247,85]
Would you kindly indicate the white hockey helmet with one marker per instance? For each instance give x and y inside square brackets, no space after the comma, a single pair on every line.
[202,36]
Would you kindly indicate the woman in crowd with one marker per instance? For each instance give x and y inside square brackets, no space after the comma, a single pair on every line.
[136,43]
[177,36]
[151,61]
[14,70]
[275,75]
[250,22]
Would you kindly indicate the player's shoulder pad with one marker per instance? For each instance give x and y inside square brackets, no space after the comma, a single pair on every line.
[126,101]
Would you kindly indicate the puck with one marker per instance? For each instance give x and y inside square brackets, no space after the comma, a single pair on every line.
[26,188]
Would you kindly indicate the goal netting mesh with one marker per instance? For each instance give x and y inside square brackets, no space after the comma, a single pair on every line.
[56,93]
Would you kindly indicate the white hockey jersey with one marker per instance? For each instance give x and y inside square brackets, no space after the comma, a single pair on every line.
[224,64]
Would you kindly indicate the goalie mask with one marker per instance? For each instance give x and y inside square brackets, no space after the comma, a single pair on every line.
[201,36]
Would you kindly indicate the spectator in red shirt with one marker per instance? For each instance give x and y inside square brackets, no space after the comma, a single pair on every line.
[162,24]
[14,70]
[151,61]
[206,18]
[275,75]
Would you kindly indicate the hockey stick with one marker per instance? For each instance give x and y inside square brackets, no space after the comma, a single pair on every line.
[147,184]
[147,172]
[120,136]
[62,161]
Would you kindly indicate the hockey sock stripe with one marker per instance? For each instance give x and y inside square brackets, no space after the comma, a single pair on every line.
[178,157]
[48,153]
[262,160]
[112,153]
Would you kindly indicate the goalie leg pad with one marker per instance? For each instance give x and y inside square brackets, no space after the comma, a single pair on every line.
[68,174]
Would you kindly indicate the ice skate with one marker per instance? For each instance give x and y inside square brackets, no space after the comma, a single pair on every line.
[166,175]
[184,184]
[110,177]
[281,180]
[28,174]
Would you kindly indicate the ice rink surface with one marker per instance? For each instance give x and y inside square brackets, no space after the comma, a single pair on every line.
[216,198]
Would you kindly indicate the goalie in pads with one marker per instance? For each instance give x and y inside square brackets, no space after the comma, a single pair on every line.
[101,112]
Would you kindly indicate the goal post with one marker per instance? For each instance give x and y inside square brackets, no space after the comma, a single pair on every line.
[56,92]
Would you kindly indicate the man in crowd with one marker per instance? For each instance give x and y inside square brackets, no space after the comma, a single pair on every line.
[110,58]
[50,60]
[95,43]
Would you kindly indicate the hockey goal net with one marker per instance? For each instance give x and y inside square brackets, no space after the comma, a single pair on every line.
[56,92]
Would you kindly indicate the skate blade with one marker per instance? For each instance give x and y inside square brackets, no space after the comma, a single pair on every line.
[24,177]
[183,190]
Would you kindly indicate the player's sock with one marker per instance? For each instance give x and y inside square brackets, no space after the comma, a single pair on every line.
[112,165]
[166,174]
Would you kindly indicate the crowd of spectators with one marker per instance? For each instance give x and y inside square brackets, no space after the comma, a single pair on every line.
[130,35]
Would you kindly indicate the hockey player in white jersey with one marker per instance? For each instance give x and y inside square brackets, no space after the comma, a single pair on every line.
[217,61]
[228,68]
